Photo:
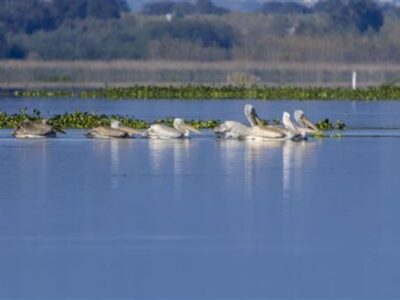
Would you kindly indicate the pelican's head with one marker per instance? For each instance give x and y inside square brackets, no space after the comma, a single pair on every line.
[180,125]
[248,110]
[303,121]
[115,124]
[251,115]
[286,121]
[298,115]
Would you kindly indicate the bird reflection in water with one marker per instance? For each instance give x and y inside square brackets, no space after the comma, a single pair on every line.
[165,152]
[258,155]
[230,155]
[36,153]
[295,155]
[295,158]
[115,163]
[110,149]
[168,158]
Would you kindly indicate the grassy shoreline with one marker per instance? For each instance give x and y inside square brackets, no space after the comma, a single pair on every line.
[198,92]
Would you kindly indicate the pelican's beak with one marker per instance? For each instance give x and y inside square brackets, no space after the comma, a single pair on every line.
[259,121]
[130,131]
[60,130]
[191,128]
[309,124]
[255,118]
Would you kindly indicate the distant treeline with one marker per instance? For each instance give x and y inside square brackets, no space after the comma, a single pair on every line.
[330,31]
[363,14]
[29,16]
[183,8]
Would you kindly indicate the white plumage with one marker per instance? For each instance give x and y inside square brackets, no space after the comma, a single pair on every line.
[161,131]
[259,131]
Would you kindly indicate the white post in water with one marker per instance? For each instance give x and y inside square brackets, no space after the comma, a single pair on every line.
[354,80]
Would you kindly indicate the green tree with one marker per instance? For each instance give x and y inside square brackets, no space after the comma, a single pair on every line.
[202,7]
[159,8]
[13,51]
[27,15]
[103,9]
[207,7]
[361,14]
[275,7]
[89,39]
[81,9]
[3,42]
[209,34]
[64,9]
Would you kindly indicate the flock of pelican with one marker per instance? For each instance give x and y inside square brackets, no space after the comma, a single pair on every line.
[256,130]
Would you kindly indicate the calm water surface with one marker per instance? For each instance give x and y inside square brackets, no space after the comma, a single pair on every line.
[202,219]
[356,114]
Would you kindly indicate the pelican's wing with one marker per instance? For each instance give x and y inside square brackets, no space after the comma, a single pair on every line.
[37,128]
[107,132]
[162,131]
[130,131]
[265,132]
[231,130]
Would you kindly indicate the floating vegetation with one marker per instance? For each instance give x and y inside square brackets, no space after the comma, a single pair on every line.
[59,78]
[81,120]
[224,92]
[44,93]
[326,124]
[90,120]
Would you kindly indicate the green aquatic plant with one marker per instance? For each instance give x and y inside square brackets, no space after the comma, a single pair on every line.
[44,93]
[85,120]
[339,125]
[187,92]
[276,122]
[326,124]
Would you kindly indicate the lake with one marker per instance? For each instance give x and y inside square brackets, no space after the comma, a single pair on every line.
[202,218]
[356,114]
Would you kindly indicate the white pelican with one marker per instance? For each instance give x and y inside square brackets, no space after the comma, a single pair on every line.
[113,131]
[292,131]
[259,131]
[231,130]
[304,125]
[161,131]
[36,129]
[236,130]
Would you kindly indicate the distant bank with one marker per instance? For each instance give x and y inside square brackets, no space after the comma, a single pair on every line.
[103,74]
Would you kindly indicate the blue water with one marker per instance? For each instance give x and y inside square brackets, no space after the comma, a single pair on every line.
[201,218]
[356,114]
